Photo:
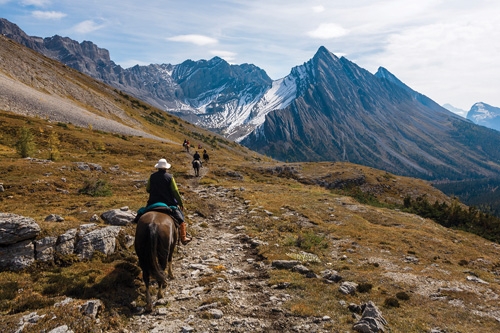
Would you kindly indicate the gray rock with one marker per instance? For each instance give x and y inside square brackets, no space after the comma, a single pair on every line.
[91,308]
[31,318]
[15,228]
[54,218]
[285,264]
[45,249]
[61,329]
[102,240]
[17,256]
[301,269]
[187,329]
[475,279]
[66,242]
[348,288]
[88,166]
[332,276]
[216,313]
[118,217]
[207,306]
[371,320]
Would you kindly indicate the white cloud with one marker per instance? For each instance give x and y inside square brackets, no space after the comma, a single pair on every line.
[447,61]
[226,55]
[132,62]
[193,39]
[37,3]
[318,9]
[86,27]
[328,31]
[47,15]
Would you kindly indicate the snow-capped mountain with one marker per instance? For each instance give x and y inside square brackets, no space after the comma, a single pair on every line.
[328,109]
[485,115]
[460,112]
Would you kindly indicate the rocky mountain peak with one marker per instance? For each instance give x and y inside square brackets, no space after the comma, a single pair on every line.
[485,115]
[329,108]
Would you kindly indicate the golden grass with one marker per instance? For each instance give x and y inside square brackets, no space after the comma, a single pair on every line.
[365,244]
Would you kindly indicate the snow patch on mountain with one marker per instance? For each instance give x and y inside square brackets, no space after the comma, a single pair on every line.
[482,113]
[241,116]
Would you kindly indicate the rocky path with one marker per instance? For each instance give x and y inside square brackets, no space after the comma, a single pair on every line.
[220,284]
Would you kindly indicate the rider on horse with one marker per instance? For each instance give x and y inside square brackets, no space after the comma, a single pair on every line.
[197,157]
[205,155]
[162,188]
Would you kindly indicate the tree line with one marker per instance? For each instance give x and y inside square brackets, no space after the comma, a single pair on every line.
[454,215]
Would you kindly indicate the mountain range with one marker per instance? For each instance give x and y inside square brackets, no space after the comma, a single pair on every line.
[327,109]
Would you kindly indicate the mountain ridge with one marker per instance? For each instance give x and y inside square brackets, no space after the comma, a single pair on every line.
[326,109]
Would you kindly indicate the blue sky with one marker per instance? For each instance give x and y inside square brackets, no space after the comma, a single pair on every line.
[446,49]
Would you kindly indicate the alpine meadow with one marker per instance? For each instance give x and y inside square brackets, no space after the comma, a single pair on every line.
[279,244]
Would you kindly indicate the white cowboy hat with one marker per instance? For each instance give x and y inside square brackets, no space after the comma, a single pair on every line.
[162,164]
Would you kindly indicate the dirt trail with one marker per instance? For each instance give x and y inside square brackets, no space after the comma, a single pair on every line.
[220,284]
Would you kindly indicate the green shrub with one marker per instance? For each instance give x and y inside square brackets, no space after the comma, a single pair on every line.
[402,296]
[25,145]
[391,302]
[96,188]
[310,241]
[364,287]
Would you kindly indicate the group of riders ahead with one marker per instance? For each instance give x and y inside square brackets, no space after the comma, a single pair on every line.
[164,194]
[196,156]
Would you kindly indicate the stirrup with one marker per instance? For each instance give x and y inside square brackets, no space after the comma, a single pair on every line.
[185,242]
[188,238]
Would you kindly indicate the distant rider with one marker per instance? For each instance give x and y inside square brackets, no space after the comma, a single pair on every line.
[197,157]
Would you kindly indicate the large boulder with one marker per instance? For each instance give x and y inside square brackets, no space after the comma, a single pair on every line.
[45,248]
[371,320]
[66,242]
[122,216]
[15,228]
[102,240]
[17,256]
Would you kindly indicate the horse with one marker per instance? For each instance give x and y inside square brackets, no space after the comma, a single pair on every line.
[187,146]
[155,239]
[205,157]
[196,167]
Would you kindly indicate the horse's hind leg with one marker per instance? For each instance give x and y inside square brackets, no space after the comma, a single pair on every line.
[161,285]
[169,270]
[149,304]
[162,260]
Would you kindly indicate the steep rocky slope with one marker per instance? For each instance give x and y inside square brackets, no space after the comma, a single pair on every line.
[328,109]
[344,113]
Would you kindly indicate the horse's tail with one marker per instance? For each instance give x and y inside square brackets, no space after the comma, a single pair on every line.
[150,258]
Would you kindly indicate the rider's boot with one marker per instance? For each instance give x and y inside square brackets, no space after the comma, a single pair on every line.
[183,234]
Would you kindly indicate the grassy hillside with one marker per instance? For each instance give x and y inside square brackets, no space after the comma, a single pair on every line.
[351,217]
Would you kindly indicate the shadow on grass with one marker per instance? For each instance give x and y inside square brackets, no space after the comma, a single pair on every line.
[117,290]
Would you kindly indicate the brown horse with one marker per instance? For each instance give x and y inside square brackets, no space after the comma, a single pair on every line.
[155,240]
[196,167]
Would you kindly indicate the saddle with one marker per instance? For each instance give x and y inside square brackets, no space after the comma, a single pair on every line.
[173,211]
[175,214]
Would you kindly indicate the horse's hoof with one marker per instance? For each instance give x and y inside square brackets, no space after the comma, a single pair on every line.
[138,310]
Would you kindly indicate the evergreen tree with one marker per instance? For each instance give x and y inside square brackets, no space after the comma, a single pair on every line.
[53,146]
[25,144]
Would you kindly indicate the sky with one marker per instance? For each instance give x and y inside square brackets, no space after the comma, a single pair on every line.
[447,50]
